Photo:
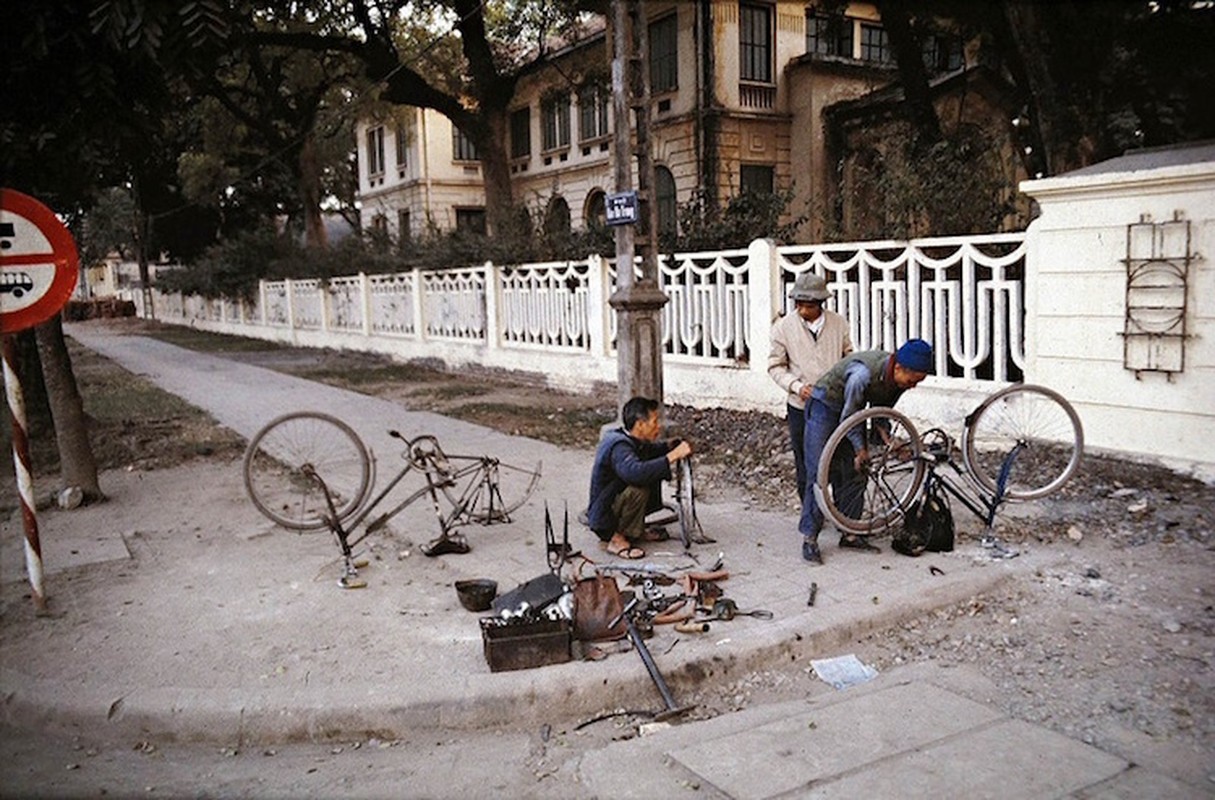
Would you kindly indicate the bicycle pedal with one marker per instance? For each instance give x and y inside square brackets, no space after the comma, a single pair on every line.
[359,563]
[352,583]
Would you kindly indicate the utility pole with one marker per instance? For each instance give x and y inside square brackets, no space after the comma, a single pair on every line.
[638,300]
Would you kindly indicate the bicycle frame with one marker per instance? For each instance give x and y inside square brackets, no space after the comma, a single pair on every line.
[422,454]
[982,504]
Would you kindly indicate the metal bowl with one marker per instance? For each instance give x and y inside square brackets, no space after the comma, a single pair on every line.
[476,594]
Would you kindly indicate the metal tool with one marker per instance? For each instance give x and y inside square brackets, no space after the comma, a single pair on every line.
[727,609]
[635,637]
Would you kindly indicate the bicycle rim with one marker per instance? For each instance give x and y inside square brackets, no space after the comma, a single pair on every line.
[281,458]
[493,491]
[1030,431]
[873,499]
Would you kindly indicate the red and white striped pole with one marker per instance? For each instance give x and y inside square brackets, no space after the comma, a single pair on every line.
[21,463]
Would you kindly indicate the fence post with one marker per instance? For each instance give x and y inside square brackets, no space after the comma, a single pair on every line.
[290,308]
[596,305]
[365,299]
[419,307]
[261,302]
[764,284]
[493,340]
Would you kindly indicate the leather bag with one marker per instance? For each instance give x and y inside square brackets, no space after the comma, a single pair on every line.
[597,601]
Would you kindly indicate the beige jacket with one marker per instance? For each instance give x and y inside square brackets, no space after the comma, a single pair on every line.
[797,359]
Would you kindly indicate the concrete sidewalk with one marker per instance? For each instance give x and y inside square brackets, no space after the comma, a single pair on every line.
[218,626]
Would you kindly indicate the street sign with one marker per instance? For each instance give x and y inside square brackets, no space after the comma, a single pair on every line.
[621,209]
[38,262]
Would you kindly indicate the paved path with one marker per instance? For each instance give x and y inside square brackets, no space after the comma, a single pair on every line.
[217,626]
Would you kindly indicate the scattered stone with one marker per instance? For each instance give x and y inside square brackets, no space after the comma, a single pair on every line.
[1172,626]
[1075,534]
[1117,494]
[70,498]
[1137,507]
[1092,572]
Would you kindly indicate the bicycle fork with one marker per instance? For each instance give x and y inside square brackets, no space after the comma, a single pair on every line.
[350,573]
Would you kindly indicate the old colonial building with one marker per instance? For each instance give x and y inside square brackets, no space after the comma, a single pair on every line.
[746,96]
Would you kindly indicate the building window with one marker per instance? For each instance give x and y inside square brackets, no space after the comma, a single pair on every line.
[462,147]
[403,227]
[596,212]
[402,148]
[828,35]
[874,44]
[592,112]
[375,150]
[757,179]
[471,220]
[664,197]
[379,224]
[942,53]
[755,42]
[664,57]
[557,218]
[521,133]
[555,116]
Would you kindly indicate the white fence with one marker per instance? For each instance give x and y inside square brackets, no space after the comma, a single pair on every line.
[964,294]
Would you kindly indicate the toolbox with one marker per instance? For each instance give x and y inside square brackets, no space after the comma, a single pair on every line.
[525,643]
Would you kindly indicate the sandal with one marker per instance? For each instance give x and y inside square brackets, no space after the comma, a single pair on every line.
[655,535]
[628,552]
[858,543]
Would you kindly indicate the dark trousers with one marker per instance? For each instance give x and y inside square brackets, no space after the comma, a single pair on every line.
[796,418]
[846,485]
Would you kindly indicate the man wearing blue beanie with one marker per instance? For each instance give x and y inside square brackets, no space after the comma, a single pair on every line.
[867,378]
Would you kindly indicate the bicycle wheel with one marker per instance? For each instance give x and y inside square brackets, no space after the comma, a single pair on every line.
[873,498]
[492,491]
[284,455]
[1029,431]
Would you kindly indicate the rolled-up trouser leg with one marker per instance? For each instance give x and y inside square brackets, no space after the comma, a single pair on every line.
[629,509]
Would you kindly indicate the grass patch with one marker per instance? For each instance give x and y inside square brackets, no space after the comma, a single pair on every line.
[206,341]
[368,374]
[132,423]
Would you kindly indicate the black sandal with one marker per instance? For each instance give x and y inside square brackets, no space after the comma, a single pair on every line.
[858,543]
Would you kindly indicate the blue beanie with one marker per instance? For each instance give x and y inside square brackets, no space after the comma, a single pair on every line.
[915,355]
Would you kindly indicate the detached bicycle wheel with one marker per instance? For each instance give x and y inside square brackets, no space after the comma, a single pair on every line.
[1030,435]
[285,458]
[873,498]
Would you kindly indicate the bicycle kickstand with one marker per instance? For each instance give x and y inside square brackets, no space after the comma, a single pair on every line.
[350,566]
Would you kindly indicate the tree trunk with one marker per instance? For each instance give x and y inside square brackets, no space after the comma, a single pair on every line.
[912,74]
[495,169]
[77,466]
[315,235]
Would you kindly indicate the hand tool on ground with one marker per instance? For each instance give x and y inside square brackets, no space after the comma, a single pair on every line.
[634,635]
[727,609]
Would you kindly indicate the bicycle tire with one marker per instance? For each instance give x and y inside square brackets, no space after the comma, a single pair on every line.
[874,499]
[278,461]
[1040,425]
[493,491]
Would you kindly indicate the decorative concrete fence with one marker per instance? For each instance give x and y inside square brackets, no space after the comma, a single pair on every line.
[963,294]
[1108,298]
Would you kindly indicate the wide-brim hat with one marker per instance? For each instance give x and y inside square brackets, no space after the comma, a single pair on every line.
[809,286]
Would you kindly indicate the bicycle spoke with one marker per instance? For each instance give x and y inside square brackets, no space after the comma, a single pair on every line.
[1030,432]
[281,457]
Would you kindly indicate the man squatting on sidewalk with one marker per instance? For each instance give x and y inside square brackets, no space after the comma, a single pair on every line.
[867,378]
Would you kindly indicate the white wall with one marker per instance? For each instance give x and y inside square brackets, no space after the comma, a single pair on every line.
[1076,280]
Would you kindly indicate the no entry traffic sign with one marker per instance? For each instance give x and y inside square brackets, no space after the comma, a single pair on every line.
[38,262]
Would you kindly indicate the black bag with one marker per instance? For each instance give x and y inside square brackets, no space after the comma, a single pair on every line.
[927,526]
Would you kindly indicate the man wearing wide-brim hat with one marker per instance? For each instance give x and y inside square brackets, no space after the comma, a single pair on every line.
[805,344]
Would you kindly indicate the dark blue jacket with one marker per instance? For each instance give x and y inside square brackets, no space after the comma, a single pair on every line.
[624,461]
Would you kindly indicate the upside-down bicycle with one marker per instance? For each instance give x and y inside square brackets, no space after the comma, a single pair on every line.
[1022,443]
[310,471]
